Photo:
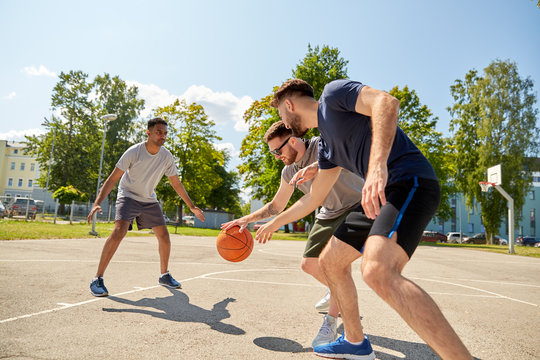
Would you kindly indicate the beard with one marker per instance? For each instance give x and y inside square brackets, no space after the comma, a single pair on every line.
[288,160]
[296,126]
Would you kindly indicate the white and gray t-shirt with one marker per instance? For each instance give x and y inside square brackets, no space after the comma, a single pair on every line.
[345,194]
[143,171]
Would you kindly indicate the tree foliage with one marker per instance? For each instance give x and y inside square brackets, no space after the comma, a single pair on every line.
[78,130]
[261,171]
[190,139]
[418,122]
[494,122]
[68,194]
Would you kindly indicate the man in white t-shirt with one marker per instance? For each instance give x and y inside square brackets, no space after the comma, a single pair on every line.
[139,170]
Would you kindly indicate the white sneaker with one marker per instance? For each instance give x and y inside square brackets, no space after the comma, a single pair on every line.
[324,304]
[327,332]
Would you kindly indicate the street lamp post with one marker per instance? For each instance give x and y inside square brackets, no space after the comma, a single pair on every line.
[106,119]
[49,171]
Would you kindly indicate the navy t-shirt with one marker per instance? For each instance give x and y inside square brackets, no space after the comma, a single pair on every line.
[346,137]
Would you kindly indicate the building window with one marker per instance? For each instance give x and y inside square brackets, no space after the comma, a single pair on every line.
[531,195]
[30,183]
[13,166]
[521,230]
[20,182]
[32,167]
[15,151]
[10,182]
[22,166]
[533,222]
[471,228]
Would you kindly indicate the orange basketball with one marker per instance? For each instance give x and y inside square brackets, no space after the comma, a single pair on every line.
[233,245]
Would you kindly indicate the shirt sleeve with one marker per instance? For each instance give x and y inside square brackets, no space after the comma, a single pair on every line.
[324,163]
[171,169]
[341,95]
[126,159]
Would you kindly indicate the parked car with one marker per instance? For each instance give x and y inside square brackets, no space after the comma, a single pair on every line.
[480,238]
[433,236]
[17,206]
[2,210]
[528,241]
[499,240]
[453,237]
[188,220]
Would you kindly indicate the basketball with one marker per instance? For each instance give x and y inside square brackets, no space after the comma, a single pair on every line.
[233,245]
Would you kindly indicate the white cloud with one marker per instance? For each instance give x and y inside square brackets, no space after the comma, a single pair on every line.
[229,147]
[153,96]
[223,108]
[41,71]
[14,135]
[11,95]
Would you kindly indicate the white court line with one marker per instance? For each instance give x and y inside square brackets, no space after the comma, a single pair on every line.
[207,276]
[477,289]
[65,306]
[275,253]
[492,282]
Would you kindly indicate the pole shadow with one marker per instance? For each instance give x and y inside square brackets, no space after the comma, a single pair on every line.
[178,308]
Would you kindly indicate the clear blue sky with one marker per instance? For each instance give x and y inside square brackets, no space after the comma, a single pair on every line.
[224,54]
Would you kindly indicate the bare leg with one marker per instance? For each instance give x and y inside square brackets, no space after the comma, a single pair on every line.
[383,262]
[111,245]
[336,260]
[311,266]
[164,244]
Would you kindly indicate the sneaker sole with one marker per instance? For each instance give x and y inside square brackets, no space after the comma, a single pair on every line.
[171,287]
[347,356]
[99,295]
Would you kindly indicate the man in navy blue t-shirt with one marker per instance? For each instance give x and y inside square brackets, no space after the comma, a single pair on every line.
[359,132]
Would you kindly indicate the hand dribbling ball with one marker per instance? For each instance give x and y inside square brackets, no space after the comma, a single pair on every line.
[234,245]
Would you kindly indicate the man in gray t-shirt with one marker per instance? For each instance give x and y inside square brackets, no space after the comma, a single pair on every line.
[301,155]
[139,170]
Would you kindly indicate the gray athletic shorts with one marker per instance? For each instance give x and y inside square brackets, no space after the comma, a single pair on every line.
[147,215]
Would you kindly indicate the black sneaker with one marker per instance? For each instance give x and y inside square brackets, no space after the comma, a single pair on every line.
[97,287]
[168,281]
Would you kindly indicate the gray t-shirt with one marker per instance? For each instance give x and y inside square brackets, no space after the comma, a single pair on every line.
[143,171]
[345,194]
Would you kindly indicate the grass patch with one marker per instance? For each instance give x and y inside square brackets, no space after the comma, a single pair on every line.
[19,229]
[501,249]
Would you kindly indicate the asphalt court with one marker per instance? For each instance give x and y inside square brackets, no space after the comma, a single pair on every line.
[261,308]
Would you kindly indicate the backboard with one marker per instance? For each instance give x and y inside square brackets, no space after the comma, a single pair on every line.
[494,174]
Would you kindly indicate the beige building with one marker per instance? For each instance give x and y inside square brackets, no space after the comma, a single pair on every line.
[18,170]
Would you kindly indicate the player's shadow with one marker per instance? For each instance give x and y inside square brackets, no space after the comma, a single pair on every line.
[386,348]
[178,308]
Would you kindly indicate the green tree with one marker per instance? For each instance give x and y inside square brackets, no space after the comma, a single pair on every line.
[114,96]
[418,122]
[494,122]
[226,196]
[76,136]
[191,139]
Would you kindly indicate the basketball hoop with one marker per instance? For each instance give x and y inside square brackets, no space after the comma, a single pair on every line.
[485,185]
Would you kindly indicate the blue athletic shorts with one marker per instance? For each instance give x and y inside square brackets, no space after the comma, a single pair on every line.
[147,215]
[410,206]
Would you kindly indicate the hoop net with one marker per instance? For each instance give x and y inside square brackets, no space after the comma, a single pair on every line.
[485,185]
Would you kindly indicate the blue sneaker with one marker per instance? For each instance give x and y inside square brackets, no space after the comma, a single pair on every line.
[97,287]
[168,281]
[342,349]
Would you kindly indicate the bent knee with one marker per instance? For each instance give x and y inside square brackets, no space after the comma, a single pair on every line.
[378,276]
[310,265]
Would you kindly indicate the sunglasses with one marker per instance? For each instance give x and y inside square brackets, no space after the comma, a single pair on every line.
[277,152]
